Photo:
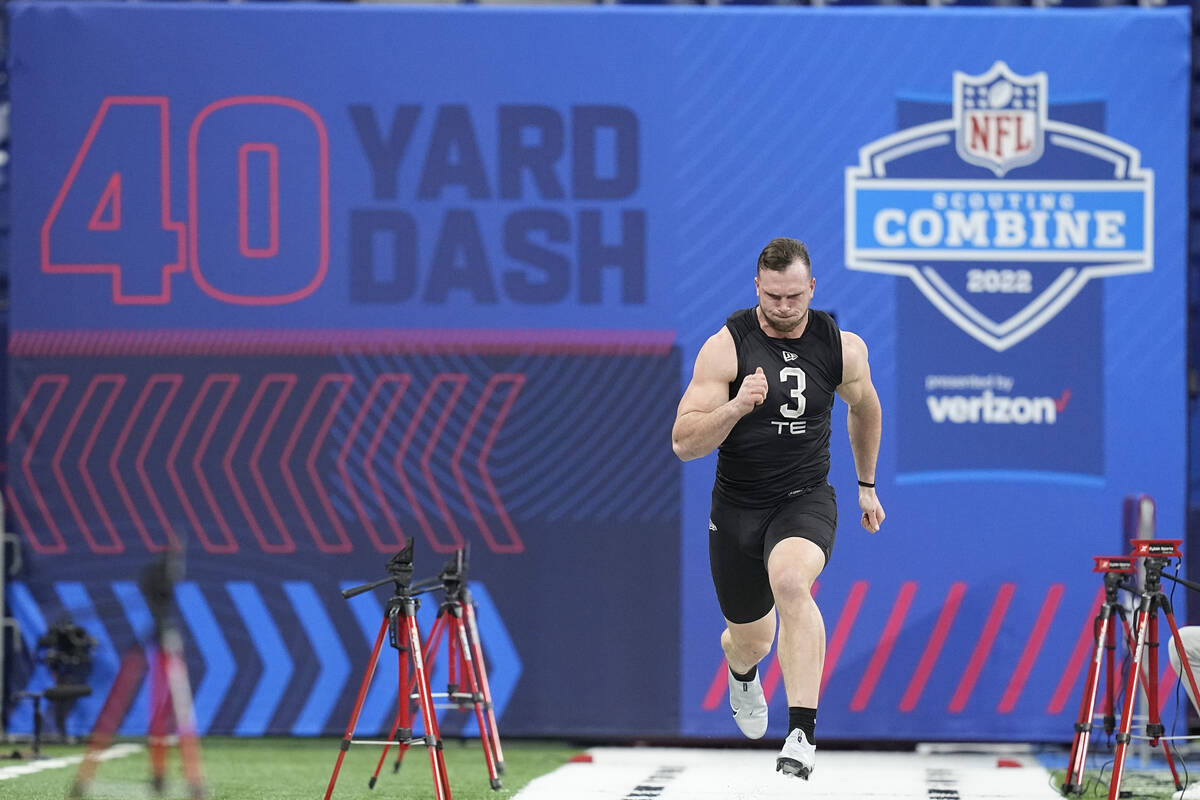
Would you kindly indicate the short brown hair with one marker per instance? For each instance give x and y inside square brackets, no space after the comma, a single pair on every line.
[780,252]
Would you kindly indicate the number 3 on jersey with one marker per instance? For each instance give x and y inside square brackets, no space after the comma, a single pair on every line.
[786,374]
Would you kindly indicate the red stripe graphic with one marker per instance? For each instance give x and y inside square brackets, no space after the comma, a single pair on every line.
[891,631]
[213,494]
[774,671]
[60,385]
[286,544]
[769,683]
[842,632]
[174,382]
[1083,649]
[118,382]
[310,463]
[458,382]
[1032,647]
[359,509]
[229,545]
[114,545]
[1167,681]
[933,648]
[343,544]
[514,544]
[417,341]
[991,627]
[402,384]
[718,687]
[414,503]
[114,461]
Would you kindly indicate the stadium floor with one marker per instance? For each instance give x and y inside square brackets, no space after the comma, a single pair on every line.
[700,774]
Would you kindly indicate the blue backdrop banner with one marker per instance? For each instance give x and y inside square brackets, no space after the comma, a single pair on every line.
[292,285]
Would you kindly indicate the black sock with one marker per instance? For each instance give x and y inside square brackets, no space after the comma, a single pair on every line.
[803,718]
[746,678]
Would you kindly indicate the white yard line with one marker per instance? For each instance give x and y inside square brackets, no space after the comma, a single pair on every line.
[711,774]
[41,764]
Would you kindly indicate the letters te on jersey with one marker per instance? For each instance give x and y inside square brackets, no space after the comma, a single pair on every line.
[1000,214]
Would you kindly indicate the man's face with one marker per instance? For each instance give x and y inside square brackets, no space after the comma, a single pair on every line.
[784,296]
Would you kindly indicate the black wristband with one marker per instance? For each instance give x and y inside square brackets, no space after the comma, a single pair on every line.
[866,485]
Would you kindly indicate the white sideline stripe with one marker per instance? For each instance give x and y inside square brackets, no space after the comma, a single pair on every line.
[16,771]
[711,774]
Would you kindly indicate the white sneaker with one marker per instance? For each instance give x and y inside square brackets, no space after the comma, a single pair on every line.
[749,706]
[798,757]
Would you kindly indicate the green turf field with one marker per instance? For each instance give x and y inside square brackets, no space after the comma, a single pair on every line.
[291,769]
[1140,784]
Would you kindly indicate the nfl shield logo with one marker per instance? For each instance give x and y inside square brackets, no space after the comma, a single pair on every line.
[998,254]
[1000,117]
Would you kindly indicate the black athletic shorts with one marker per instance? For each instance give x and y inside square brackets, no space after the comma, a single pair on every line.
[740,540]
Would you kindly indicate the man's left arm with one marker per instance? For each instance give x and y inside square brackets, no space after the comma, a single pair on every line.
[864,423]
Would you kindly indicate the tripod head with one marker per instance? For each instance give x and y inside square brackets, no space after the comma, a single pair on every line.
[400,572]
[157,584]
[454,575]
[1155,554]
[1113,565]
[1115,568]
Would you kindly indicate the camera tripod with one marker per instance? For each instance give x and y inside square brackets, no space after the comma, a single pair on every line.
[456,624]
[1104,647]
[170,692]
[1155,555]
[400,627]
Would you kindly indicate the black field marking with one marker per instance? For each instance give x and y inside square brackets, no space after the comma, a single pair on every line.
[941,784]
[655,784]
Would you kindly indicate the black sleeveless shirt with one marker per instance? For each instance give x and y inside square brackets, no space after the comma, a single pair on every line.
[782,446]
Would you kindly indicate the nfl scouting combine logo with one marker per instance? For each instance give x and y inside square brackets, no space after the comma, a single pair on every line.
[999,215]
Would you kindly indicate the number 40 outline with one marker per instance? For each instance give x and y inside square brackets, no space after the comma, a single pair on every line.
[107,216]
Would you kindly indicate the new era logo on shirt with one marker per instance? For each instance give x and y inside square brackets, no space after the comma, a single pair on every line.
[789,356]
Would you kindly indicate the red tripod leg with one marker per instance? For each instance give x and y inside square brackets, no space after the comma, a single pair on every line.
[133,666]
[453,658]
[476,698]
[1141,627]
[1154,727]
[159,700]
[180,690]
[358,704]
[1129,643]
[402,704]
[407,684]
[432,644]
[433,738]
[1083,724]
[477,653]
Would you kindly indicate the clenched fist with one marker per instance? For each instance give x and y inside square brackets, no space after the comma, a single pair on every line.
[752,392]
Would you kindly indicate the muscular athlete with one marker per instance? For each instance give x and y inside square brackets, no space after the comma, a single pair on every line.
[762,392]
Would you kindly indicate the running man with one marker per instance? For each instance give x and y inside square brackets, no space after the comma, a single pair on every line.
[761,394]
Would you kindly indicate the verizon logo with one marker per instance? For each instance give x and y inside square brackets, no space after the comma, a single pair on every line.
[988,408]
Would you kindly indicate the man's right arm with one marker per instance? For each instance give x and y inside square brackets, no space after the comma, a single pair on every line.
[706,414]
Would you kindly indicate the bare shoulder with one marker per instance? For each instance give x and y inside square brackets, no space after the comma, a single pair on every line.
[717,359]
[854,357]
[715,369]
